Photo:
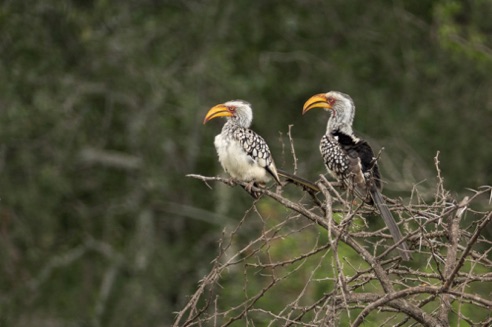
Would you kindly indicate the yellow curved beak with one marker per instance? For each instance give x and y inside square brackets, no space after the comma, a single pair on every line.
[219,110]
[316,101]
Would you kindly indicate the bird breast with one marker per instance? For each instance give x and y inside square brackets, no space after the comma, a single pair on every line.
[237,163]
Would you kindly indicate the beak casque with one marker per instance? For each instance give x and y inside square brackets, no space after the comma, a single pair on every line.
[316,101]
[219,110]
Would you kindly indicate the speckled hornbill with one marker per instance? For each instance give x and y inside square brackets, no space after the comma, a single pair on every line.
[351,160]
[243,154]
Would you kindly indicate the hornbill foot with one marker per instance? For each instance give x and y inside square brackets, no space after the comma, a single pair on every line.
[249,186]
[231,182]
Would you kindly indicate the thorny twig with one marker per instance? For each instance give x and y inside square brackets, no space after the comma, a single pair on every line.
[292,149]
[448,235]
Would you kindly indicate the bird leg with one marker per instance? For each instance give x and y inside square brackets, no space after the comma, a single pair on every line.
[249,186]
[231,182]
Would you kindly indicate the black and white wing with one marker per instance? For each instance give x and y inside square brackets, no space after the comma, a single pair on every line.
[257,149]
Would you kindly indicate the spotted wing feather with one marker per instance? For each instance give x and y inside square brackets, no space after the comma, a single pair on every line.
[360,149]
[352,161]
[257,148]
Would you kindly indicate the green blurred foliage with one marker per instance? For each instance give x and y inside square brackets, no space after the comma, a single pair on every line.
[101,108]
[284,270]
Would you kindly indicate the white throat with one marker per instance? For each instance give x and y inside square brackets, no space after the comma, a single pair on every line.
[341,121]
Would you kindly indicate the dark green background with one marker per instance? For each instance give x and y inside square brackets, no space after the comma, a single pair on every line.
[101,109]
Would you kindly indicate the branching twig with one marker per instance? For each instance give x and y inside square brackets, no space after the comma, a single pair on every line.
[444,243]
[292,149]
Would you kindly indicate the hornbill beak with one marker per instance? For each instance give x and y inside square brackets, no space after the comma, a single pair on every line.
[219,110]
[316,101]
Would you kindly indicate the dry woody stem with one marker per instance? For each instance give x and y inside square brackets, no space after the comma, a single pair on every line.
[358,266]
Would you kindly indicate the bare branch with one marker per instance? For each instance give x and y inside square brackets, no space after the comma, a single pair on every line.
[292,149]
[353,267]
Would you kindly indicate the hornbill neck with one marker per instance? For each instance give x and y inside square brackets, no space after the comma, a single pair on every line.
[341,118]
[240,120]
[243,116]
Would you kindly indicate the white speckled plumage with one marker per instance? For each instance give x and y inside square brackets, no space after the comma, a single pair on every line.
[243,154]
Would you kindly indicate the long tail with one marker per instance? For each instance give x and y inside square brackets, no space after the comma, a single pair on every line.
[298,180]
[390,222]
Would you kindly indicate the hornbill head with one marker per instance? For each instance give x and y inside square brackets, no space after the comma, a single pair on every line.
[239,111]
[334,100]
[341,106]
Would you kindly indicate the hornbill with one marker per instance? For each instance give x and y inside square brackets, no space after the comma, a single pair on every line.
[243,154]
[351,160]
